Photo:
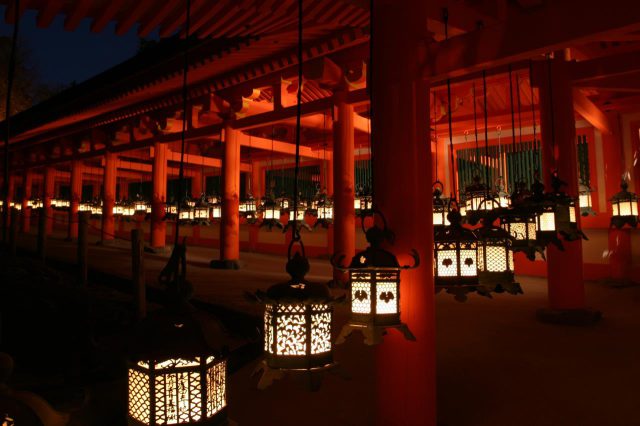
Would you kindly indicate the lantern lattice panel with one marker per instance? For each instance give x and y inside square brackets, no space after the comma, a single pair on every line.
[178,397]
[455,261]
[547,222]
[360,294]
[320,330]
[217,388]
[521,230]
[447,263]
[291,328]
[268,329]
[386,297]
[496,258]
[139,404]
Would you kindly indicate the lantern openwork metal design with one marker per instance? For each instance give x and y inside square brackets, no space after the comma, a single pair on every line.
[495,256]
[140,205]
[215,206]
[624,207]
[186,213]
[440,206]
[297,323]
[128,209]
[374,275]
[455,253]
[60,203]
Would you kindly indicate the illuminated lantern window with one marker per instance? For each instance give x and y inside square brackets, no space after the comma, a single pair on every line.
[16,206]
[495,257]
[584,200]
[170,210]
[521,227]
[455,253]
[128,209]
[440,207]
[141,206]
[186,213]
[374,275]
[84,207]
[34,203]
[201,212]
[148,208]
[96,208]
[297,323]
[302,208]
[118,208]
[322,206]
[546,220]
[174,376]
[624,206]
[216,211]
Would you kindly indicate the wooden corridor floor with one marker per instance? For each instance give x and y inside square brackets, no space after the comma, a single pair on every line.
[497,365]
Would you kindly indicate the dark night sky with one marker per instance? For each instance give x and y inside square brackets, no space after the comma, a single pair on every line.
[61,57]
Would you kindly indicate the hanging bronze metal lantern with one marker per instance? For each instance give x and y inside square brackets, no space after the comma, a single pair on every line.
[174,376]
[297,324]
[374,275]
[270,212]
[440,206]
[455,253]
[248,208]
[495,259]
[323,209]
[201,211]
[624,207]
[584,200]
[177,365]
[170,210]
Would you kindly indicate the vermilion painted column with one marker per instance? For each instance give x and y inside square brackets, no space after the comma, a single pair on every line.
[109,196]
[75,195]
[564,268]
[344,222]
[196,185]
[405,370]
[26,194]
[48,191]
[158,226]
[230,226]
[257,188]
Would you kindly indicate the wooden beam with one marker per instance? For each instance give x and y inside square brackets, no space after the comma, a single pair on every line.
[621,83]
[106,15]
[591,112]
[278,146]
[156,18]
[47,13]
[527,34]
[135,13]
[201,161]
[604,67]
[80,11]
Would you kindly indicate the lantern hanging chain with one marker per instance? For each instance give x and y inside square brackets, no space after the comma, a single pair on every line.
[445,16]
[272,182]
[295,233]
[533,110]
[513,122]
[435,133]
[519,117]
[486,132]
[552,121]
[324,151]
[370,92]
[184,120]
[250,180]
[10,79]
[475,122]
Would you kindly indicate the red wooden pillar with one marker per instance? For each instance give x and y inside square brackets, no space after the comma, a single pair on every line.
[75,195]
[344,227]
[26,194]
[257,188]
[158,225]
[564,268]
[230,226]
[109,196]
[196,185]
[48,191]
[405,370]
